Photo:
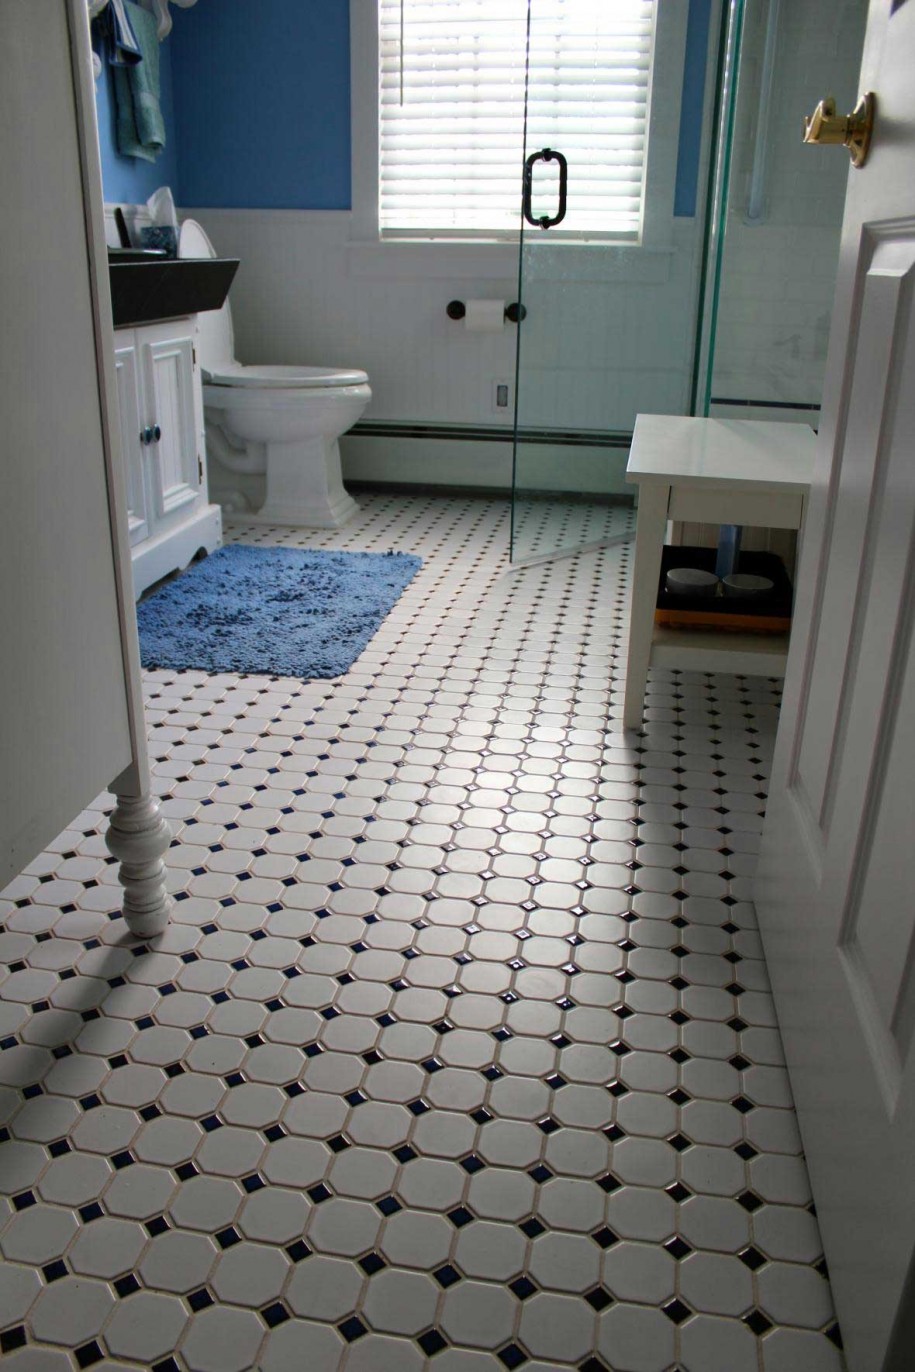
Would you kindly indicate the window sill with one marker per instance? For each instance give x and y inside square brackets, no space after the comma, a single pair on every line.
[403,259]
[483,260]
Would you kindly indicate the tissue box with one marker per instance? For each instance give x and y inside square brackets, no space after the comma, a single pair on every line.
[160,236]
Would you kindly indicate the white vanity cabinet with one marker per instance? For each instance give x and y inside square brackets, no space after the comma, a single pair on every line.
[161,414]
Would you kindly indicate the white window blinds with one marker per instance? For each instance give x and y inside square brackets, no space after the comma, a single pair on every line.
[452,113]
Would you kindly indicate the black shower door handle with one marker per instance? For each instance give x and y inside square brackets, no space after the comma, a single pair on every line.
[544,221]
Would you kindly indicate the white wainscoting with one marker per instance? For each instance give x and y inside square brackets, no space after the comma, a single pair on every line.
[606,345]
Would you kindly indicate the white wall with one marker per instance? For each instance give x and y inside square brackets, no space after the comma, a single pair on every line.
[302,294]
[609,330]
[608,333]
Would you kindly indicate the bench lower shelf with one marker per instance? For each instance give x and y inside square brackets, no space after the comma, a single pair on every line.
[700,650]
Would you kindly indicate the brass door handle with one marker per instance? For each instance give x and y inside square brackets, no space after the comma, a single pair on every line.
[852,130]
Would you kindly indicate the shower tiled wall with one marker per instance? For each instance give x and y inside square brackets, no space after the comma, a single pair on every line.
[779,274]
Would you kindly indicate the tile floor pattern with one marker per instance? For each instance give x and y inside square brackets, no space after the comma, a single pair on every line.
[459,1052]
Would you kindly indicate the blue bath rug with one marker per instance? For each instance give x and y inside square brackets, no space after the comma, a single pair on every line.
[272,611]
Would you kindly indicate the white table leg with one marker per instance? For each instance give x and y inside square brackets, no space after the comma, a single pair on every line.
[649,540]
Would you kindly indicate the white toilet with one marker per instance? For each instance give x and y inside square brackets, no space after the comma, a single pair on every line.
[278,423]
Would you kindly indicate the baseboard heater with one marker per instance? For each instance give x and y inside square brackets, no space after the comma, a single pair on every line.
[491,433]
[807,406]
[471,492]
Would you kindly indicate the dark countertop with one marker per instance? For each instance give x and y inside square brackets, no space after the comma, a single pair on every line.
[150,289]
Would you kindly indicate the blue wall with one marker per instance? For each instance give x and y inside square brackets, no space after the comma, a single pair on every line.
[262,95]
[256,99]
[689,151]
[130,180]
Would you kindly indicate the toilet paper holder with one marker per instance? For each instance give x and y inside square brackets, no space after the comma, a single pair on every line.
[514,313]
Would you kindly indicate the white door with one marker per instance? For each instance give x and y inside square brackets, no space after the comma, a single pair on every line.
[68,711]
[836,882]
[133,445]
[168,364]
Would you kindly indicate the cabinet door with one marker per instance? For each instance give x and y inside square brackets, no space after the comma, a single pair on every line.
[168,369]
[133,450]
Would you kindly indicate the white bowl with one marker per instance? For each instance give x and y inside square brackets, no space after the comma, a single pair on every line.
[691,581]
[745,584]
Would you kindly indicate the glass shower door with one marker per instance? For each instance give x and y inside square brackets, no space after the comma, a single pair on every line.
[575,398]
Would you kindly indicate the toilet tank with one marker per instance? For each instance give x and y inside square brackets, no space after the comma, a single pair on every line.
[215,335]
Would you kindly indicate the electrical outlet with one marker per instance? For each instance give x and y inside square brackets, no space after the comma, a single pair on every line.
[502,396]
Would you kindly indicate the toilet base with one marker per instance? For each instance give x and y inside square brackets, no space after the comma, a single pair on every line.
[304,483]
[333,516]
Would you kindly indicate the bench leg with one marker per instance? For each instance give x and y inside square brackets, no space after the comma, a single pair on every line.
[649,540]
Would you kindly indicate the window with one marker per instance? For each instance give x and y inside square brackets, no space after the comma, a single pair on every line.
[451,114]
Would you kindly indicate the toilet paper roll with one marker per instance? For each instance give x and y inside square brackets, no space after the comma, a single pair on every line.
[485,316]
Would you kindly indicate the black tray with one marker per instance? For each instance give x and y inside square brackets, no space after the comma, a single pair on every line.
[777,604]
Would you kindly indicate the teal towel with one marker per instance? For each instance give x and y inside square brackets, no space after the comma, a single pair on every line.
[140,126]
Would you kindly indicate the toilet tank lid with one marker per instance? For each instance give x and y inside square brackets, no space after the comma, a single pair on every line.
[193,240]
[288,377]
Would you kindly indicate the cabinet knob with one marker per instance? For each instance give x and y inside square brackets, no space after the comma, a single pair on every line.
[146,435]
[157,433]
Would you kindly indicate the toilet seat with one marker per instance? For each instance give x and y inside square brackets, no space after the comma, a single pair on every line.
[284,377]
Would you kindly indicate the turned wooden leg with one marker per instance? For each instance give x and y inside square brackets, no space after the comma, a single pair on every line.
[137,836]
